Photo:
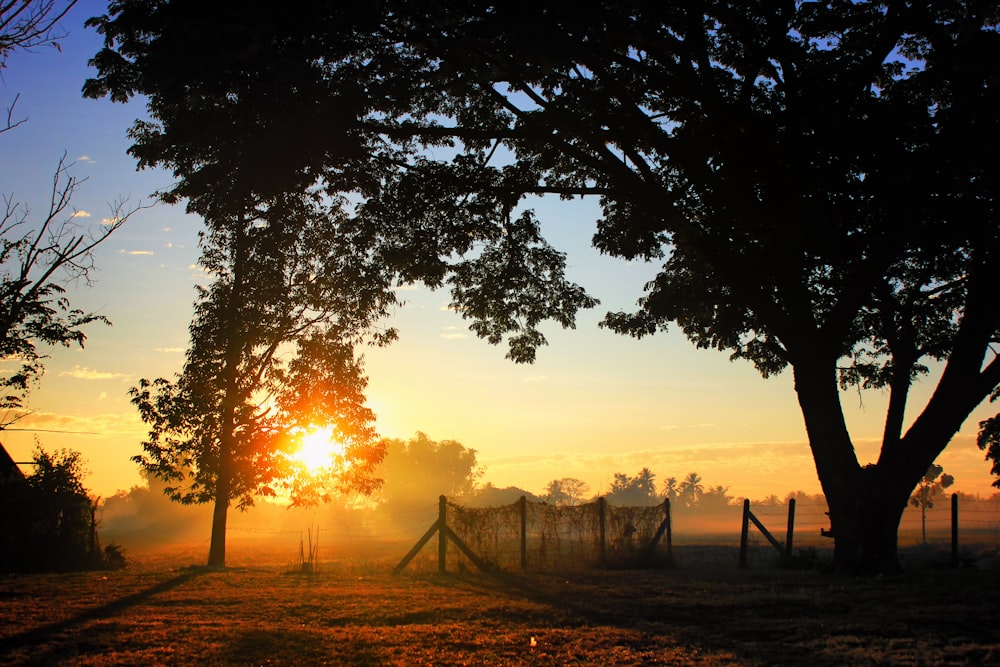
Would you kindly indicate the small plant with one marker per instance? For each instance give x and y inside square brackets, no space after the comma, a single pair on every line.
[114,557]
[804,559]
[308,553]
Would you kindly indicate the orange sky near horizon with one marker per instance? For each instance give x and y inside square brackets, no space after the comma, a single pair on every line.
[594,404]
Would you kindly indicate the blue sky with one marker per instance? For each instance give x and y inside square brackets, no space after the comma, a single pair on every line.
[592,405]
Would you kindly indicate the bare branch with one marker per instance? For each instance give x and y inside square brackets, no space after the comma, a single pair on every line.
[27,24]
[10,123]
[37,260]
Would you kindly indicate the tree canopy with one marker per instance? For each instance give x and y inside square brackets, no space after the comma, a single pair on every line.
[419,470]
[628,490]
[271,359]
[817,179]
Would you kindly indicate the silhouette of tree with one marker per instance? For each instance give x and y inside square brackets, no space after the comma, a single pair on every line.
[988,440]
[210,128]
[817,179]
[715,498]
[772,500]
[630,491]
[566,491]
[691,490]
[271,357]
[492,496]
[671,489]
[935,480]
[419,470]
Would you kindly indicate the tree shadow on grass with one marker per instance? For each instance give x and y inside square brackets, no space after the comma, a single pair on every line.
[738,617]
[265,646]
[776,618]
[42,636]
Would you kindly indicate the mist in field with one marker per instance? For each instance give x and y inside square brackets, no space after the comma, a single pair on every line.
[385,525]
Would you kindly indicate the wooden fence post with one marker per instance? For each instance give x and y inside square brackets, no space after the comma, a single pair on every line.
[523,507]
[954,530]
[442,533]
[666,529]
[602,515]
[791,528]
[419,545]
[670,529]
[745,535]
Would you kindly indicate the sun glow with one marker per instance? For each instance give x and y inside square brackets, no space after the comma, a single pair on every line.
[318,450]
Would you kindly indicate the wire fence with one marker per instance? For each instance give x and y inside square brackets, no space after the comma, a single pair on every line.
[568,537]
[978,522]
[540,536]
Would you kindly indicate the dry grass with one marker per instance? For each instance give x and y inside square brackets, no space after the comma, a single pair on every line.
[160,612]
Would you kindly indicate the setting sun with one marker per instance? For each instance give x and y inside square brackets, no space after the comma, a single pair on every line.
[318,450]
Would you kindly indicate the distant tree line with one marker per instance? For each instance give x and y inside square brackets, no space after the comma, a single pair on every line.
[417,470]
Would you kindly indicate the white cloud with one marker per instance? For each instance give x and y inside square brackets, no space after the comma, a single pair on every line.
[453,332]
[80,214]
[135,252]
[85,158]
[83,373]
[170,350]
[110,221]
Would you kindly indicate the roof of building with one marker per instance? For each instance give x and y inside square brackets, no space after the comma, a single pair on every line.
[8,468]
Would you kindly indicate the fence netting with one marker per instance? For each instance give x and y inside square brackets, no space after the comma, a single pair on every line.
[558,537]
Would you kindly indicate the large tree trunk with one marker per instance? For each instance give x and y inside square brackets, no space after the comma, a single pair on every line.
[865,524]
[866,503]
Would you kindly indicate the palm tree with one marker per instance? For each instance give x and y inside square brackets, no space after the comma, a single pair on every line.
[645,481]
[691,489]
[670,489]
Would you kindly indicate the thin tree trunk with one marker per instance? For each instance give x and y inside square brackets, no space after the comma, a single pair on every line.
[227,436]
[223,489]
[220,513]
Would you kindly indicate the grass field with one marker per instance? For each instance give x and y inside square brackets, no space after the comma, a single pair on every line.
[164,611]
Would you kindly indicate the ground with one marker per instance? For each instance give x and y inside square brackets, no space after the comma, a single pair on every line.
[162,611]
